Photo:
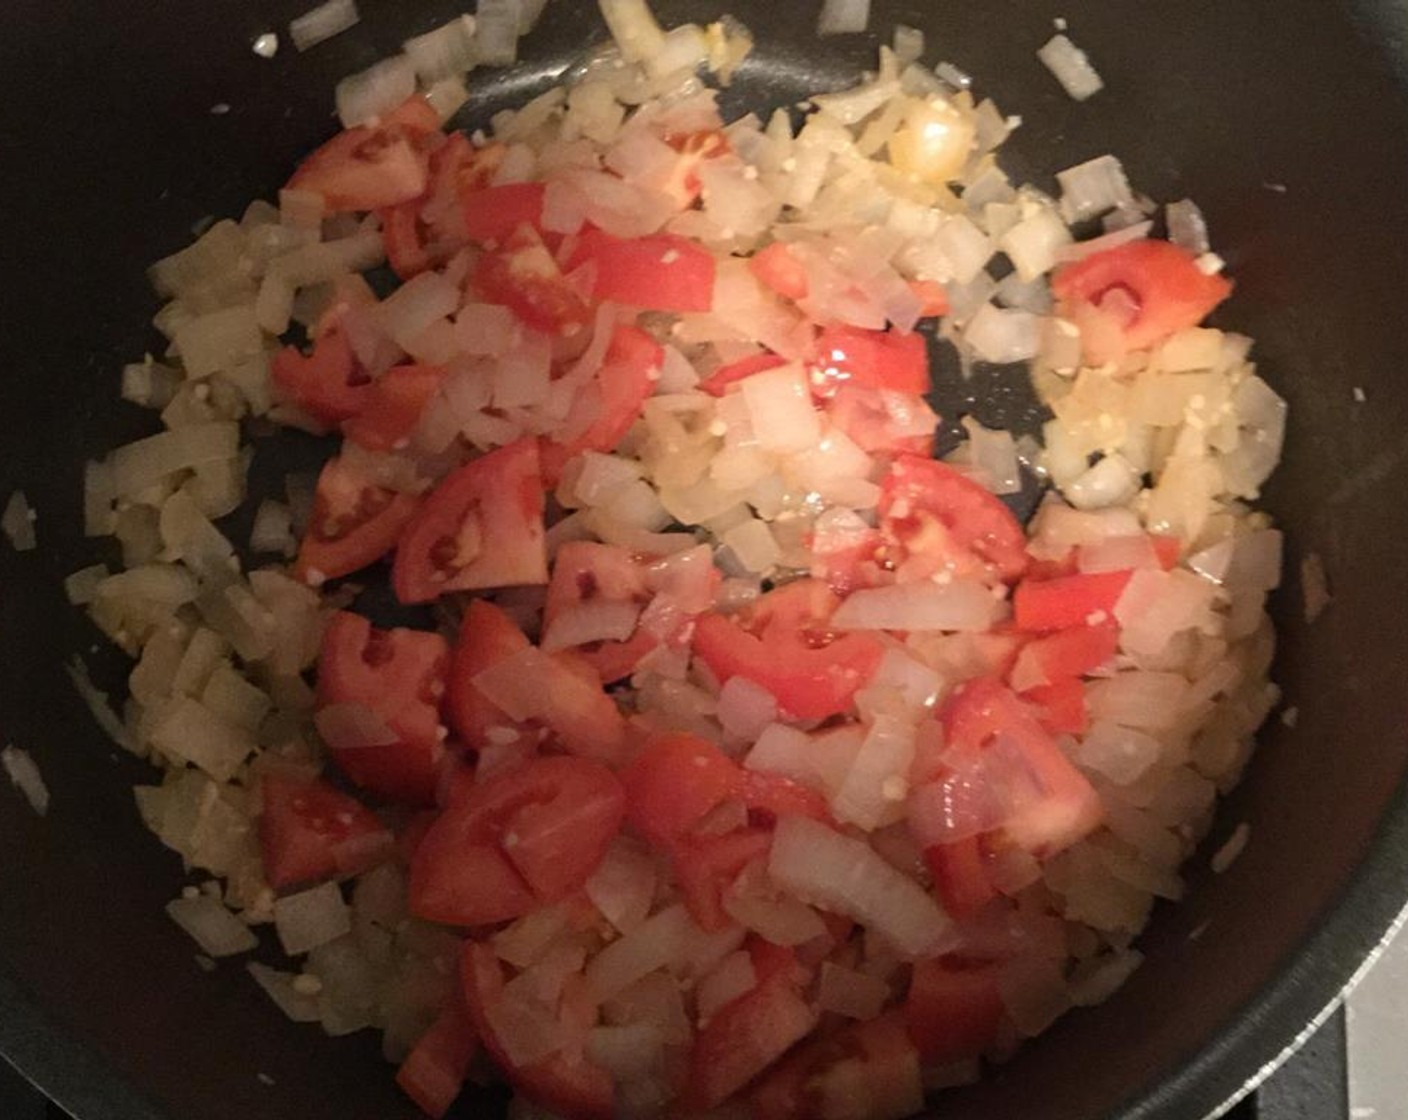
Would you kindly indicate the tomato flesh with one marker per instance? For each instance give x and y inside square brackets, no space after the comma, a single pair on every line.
[369,167]
[399,677]
[663,272]
[783,646]
[931,513]
[328,384]
[717,383]
[433,1073]
[1134,296]
[523,276]
[393,407]
[777,267]
[586,572]
[482,526]
[1065,602]
[953,1012]
[354,523]
[491,214]
[870,360]
[310,831]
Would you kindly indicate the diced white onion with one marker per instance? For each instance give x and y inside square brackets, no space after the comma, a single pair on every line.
[18,523]
[25,776]
[852,994]
[843,17]
[311,918]
[218,932]
[1071,67]
[322,23]
[961,604]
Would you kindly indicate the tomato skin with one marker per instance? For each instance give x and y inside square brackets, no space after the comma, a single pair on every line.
[717,383]
[488,517]
[370,167]
[1134,296]
[960,876]
[778,268]
[1065,654]
[523,276]
[662,272]
[567,1083]
[615,396]
[744,1037]
[1042,606]
[933,298]
[487,636]
[870,360]
[354,523]
[309,832]
[520,840]
[928,510]
[404,240]
[327,384]
[434,1071]
[398,675]
[781,645]
[493,213]
[1060,707]
[707,865]
[952,1012]
[868,417]
[673,783]
[585,571]
[393,408]
[879,1051]
[1051,804]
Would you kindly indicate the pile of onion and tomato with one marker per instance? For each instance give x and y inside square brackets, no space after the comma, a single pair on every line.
[747,757]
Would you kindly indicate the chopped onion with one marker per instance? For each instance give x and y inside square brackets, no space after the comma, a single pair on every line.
[498,24]
[734,976]
[838,873]
[1148,700]
[597,620]
[1071,67]
[627,1053]
[745,708]
[311,918]
[657,942]
[843,17]
[191,732]
[1236,844]
[623,885]
[1034,993]
[25,777]
[218,932]
[366,96]
[322,23]
[1002,337]
[447,51]
[961,604]
[1091,188]
[1033,244]
[18,523]
[1187,228]
[1122,754]
[876,786]
[852,994]
[283,988]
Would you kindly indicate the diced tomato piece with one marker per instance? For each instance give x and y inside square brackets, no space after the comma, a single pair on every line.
[706,866]
[1168,549]
[613,399]
[415,117]
[868,1070]
[354,523]
[931,512]
[588,572]
[482,526]
[933,298]
[515,842]
[1060,707]
[673,783]
[369,167]
[393,407]
[523,276]
[778,268]
[953,1012]
[487,636]
[743,1038]
[770,796]
[1134,296]
[404,239]
[782,645]
[1049,804]
[434,1071]
[717,383]
[1067,601]
[328,384]
[663,272]
[582,717]
[881,422]
[961,876]
[309,831]
[399,677]
[413,832]
[870,360]
[491,214]
[1065,654]
[567,1083]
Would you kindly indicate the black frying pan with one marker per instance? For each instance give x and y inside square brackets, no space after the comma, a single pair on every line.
[111,152]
